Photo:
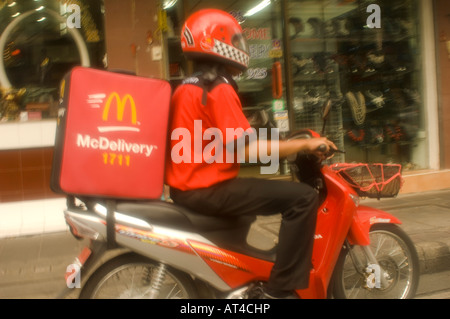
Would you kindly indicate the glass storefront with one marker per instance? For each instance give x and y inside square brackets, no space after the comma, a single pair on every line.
[362,58]
[41,41]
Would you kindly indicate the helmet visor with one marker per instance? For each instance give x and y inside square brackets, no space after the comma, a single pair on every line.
[239,41]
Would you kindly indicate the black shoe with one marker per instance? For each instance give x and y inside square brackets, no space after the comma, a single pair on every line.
[262,292]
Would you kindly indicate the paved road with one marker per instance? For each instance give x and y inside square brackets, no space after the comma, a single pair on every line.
[34,266]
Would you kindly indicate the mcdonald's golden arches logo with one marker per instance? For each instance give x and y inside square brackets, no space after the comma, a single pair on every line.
[121,103]
[121,107]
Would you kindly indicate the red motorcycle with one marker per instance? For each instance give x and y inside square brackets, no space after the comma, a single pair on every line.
[172,253]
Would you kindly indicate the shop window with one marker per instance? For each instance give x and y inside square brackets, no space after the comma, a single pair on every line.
[364,58]
[41,41]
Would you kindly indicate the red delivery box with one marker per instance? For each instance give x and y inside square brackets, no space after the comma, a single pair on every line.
[111,135]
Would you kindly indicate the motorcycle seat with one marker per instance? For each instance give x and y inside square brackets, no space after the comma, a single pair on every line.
[168,214]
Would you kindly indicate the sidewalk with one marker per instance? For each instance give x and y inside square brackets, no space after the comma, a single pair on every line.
[426,219]
[34,266]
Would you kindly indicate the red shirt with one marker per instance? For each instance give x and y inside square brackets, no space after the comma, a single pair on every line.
[197,156]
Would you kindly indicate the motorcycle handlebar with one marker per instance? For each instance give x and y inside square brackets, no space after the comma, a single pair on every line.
[323,148]
[306,134]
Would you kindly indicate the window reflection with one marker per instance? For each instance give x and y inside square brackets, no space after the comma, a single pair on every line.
[41,41]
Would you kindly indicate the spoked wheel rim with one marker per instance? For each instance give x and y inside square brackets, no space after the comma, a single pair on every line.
[398,268]
[133,281]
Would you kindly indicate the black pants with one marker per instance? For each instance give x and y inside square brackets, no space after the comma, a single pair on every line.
[298,204]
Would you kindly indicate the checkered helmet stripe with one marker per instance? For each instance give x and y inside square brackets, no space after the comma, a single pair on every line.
[231,53]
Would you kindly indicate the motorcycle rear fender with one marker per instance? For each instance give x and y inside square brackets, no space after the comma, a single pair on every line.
[363,220]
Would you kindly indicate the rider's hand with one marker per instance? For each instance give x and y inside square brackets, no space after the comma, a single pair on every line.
[314,147]
[310,146]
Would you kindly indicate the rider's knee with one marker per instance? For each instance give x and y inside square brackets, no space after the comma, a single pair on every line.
[309,195]
[306,201]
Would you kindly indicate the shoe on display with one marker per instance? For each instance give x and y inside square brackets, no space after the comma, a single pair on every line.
[341,29]
[317,26]
[296,27]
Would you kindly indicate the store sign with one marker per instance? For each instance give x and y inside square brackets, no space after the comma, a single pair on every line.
[276,53]
[238,15]
[257,34]
[282,120]
[260,50]
[278,105]
[256,73]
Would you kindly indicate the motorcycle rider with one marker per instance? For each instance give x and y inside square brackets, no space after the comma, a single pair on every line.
[214,40]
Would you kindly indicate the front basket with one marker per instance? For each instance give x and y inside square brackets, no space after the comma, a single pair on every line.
[372,180]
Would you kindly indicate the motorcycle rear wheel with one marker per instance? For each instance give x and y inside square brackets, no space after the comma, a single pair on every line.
[397,256]
[132,276]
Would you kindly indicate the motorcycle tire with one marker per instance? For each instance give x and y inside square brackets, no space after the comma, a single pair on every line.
[397,256]
[132,276]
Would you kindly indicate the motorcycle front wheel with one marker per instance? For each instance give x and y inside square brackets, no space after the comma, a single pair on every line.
[132,276]
[355,277]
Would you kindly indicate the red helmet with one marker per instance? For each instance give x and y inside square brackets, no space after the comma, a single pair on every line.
[215,34]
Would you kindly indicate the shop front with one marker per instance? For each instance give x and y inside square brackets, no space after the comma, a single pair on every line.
[373,62]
